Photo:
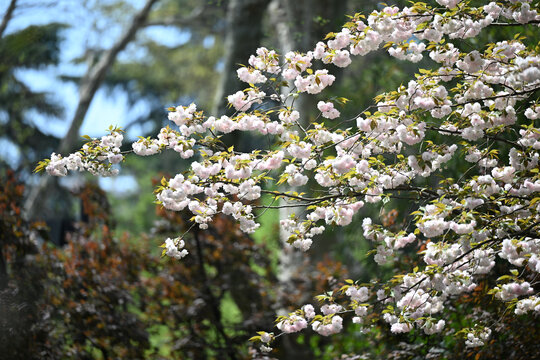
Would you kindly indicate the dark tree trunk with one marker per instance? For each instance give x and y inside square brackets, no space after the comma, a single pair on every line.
[243,36]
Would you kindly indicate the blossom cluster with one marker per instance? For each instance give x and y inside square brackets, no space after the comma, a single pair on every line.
[97,156]
[174,248]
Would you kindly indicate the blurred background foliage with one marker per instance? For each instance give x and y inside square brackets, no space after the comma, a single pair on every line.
[34,47]
[89,282]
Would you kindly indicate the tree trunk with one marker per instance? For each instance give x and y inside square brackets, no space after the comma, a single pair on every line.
[243,37]
[296,30]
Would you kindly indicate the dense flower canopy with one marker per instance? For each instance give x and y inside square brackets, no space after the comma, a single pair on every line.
[480,107]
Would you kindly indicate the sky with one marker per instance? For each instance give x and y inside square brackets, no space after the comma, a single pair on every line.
[107,108]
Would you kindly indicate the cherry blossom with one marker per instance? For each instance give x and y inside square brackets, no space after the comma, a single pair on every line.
[463,225]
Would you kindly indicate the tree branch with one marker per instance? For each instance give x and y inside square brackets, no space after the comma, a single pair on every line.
[187,20]
[7,16]
[515,23]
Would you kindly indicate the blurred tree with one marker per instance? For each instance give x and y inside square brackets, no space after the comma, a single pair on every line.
[88,86]
[34,47]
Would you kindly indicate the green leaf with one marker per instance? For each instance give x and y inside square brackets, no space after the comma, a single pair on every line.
[534,201]
[42,165]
